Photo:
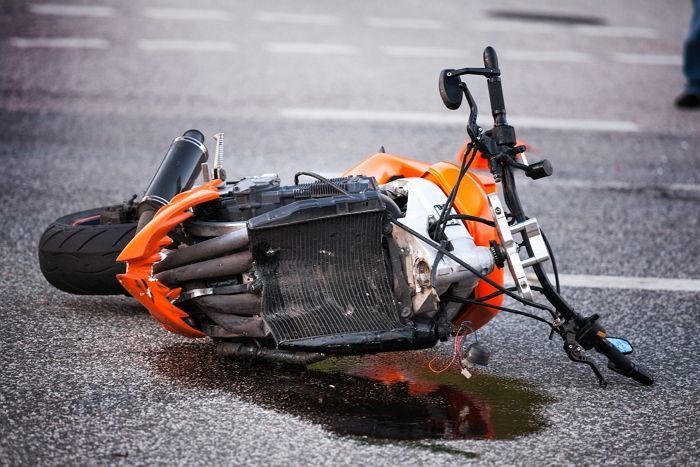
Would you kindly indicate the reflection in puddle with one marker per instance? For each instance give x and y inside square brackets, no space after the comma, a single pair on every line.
[383,396]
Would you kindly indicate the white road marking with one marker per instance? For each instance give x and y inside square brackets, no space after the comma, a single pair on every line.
[515,55]
[437,52]
[187,14]
[295,18]
[453,119]
[684,187]
[529,56]
[56,9]
[186,45]
[625,282]
[617,31]
[311,48]
[574,124]
[545,56]
[404,23]
[649,59]
[59,43]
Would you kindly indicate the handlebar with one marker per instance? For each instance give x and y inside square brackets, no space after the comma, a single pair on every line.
[581,333]
[619,363]
[498,106]
[498,145]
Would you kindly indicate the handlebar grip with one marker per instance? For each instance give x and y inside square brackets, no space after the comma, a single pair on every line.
[490,58]
[498,105]
[619,363]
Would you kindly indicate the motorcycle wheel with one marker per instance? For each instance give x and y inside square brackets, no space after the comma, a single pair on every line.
[78,255]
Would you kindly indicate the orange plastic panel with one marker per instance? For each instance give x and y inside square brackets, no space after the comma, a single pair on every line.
[144,250]
[471,199]
[383,167]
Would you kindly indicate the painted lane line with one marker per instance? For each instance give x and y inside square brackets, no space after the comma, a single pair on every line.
[296,18]
[617,31]
[530,56]
[681,187]
[572,124]
[369,116]
[437,52]
[71,10]
[649,59]
[560,56]
[311,48]
[186,45]
[187,14]
[453,119]
[404,23]
[625,282]
[59,43]
[546,56]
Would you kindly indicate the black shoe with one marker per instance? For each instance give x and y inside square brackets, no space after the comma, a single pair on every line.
[688,100]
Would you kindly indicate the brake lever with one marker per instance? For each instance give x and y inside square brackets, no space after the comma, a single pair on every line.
[575,352]
[577,357]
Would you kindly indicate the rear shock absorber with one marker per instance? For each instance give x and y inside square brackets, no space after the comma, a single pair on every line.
[177,173]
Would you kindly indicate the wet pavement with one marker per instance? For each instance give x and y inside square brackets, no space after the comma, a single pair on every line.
[381,397]
[93,380]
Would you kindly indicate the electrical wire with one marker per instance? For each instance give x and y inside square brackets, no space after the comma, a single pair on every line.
[320,178]
[512,289]
[441,223]
[459,339]
[469,156]
[472,332]
[453,298]
[554,261]
[467,217]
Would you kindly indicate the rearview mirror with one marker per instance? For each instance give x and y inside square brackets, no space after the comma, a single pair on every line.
[450,91]
[623,345]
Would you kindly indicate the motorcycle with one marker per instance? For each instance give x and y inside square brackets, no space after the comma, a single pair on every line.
[394,255]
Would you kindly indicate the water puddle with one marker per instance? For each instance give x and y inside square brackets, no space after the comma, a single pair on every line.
[389,396]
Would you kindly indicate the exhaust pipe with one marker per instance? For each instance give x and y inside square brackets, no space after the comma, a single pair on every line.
[243,304]
[241,350]
[230,265]
[178,171]
[217,246]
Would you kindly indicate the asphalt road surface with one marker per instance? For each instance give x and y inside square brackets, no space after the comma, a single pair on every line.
[92,93]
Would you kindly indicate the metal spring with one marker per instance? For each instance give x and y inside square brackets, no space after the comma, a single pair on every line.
[219,152]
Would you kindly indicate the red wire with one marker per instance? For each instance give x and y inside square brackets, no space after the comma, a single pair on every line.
[459,339]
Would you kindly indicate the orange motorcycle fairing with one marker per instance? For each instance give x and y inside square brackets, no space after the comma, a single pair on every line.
[144,250]
[471,199]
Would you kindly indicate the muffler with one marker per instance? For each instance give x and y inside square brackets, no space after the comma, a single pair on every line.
[178,171]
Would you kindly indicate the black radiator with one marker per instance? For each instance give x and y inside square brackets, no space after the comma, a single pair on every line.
[325,276]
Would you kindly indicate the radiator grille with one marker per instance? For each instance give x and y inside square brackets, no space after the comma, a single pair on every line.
[325,277]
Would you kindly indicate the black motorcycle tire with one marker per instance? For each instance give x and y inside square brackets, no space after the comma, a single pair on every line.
[78,255]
